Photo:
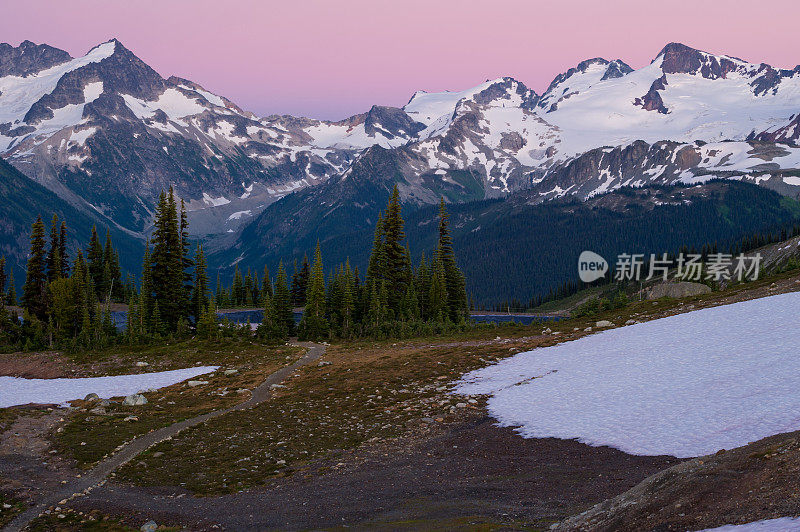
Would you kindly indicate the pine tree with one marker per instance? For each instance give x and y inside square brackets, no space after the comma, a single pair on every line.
[111,270]
[283,304]
[62,250]
[34,293]
[456,304]
[266,287]
[314,324]
[376,265]
[3,281]
[146,293]
[54,268]
[200,293]
[300,281]
[94,259]
[168,264]
[11,293]
[269,328]
[237,289]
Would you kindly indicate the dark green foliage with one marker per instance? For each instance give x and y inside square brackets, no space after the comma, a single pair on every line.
[168,261]
[282,304]
[314,324]
[34,292]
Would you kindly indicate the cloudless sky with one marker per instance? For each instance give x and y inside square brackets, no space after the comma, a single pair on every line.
[331,59]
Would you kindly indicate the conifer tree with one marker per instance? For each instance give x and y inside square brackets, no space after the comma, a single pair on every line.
[456,303]
[237,289]
[146,293]
[11,293]
[375,267]
[54,269]
[283,304]
[62,250]
[94,260]
[200,292]
[34,293]
[266,287]
[168,264]
[111,270]
[3,281]
[314,324]
[300,281]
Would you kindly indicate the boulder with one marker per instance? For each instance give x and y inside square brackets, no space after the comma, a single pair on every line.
[192,384]
[229,372]
[677,290]
[149,526]
[136,399]
[91,397]
[141,364]
[604,323]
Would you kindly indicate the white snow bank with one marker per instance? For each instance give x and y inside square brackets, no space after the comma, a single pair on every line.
[686,385]
[17,391]
[782,524]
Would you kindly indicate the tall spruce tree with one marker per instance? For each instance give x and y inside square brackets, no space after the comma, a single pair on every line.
[3,281]
[300,281]
[282,302]
[168,265]
[200,292]
[457,308]
[62,249]
[94,261]
[112,271]
[314,324]
[34,292]
[146,292]
[54,269]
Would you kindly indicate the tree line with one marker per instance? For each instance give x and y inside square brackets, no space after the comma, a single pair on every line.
[67,302]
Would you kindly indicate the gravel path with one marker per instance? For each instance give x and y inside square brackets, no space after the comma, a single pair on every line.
[81,485]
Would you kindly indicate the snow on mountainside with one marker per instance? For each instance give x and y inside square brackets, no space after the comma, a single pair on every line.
[63,121]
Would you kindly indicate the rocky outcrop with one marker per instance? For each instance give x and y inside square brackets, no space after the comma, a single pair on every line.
[29,58]
[677,290]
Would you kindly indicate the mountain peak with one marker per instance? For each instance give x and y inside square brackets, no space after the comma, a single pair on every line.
[677,58]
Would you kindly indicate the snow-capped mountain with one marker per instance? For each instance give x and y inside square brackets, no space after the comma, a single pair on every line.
[107,132]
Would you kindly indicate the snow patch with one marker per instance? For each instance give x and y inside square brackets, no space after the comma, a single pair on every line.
[685,385]
[18,391]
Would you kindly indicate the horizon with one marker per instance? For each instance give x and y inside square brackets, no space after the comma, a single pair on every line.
[324,57]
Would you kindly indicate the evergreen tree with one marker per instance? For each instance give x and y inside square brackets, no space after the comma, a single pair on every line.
[314,325]
[94,259]
[456,304]
[111,270]
[146,302]
[11,293]
[266,287]
[168,264]
[282,302]
[62,250]
[3,281]
[200,293]
[237,289]
[54,269]
[300,281]
[34,293]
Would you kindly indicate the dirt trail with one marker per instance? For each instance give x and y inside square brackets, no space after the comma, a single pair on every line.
[135,447]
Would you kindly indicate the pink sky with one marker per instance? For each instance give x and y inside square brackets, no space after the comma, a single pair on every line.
[331,59]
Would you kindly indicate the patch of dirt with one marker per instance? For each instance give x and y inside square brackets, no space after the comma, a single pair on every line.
[441,476]
[750,483]
[44,365]
[29,465]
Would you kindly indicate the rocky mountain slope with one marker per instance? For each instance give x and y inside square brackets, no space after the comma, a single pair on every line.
[107,131]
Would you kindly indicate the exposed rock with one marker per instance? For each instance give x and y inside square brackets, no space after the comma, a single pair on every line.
[677,290]
[324,363]
[192,384]
[136,399]
[141,364]
[604,323]
[229,372]
[149,526]
[91,397]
